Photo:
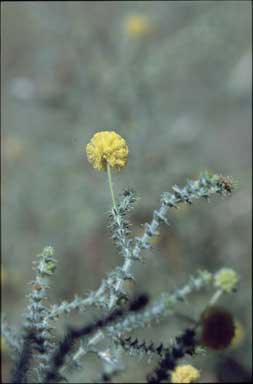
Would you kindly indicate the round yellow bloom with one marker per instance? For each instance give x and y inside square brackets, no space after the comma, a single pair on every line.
[107,147]
[185,374]
[226,279]
[137,25]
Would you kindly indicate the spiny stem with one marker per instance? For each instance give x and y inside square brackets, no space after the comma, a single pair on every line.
[110,185]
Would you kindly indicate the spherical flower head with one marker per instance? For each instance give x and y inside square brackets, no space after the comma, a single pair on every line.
[185,374]
[107,147]
[226,279]
[137,25]
[218,328]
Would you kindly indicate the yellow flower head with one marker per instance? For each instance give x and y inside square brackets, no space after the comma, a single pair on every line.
[107,147]
[185,374]
[226,279]
[137,25]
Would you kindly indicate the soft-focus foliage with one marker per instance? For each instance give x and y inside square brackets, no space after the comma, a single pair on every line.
[177,87]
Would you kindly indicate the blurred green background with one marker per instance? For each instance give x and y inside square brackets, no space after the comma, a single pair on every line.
[174,79]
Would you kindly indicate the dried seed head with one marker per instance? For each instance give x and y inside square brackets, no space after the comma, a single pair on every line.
[218,328]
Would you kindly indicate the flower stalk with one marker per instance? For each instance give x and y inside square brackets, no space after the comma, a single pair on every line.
[111,185]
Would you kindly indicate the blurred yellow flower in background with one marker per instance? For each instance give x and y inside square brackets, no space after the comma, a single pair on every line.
[238,336]
[137,25]
[4,347]
[107,147]
[185,374]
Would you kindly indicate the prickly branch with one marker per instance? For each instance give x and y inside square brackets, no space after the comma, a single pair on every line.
[11,338]
[38,344]
[52,374]
[204,187]
[37,312]
[22,365]
[184,344]
[136,347]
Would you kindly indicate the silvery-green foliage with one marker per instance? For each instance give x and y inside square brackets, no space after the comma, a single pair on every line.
[40,357]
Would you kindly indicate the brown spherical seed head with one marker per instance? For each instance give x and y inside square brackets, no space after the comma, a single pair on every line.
[218,328]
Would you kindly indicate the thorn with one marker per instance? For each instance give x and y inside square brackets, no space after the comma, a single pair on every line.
[133,344]
[160,348]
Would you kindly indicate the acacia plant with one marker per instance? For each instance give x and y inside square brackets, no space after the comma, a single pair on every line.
[39,356]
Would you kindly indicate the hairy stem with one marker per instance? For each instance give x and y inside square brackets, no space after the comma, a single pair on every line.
[110,185]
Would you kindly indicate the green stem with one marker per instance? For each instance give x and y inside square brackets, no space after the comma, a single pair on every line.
[110,185]
[215,297]
[211,302]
